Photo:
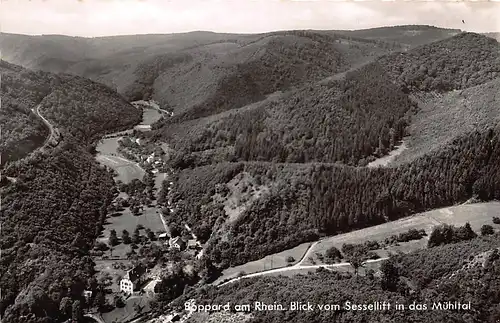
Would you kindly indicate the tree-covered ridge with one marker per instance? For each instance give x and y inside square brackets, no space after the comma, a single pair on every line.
[50,218]
[87,109]
[21,90]
[350,121]
[80,106]
[244,73]
[55,206]
[459,62]
[308,200]
[440,274]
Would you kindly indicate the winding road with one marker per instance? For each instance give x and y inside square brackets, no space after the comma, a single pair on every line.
[52,133]
[298,266]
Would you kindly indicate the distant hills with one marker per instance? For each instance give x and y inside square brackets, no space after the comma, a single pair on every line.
[208,72]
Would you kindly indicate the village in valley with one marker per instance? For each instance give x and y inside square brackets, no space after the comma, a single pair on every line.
[139,245]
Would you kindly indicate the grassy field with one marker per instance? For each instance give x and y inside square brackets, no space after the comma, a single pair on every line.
[476,214]
[150,116]
[127,170]
[276,260]
[127,221]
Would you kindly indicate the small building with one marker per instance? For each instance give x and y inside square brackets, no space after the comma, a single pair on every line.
[132,280]
[163,236]
[177,243]
[192,244]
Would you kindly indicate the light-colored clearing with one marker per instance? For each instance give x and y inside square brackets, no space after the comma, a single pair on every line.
[476,214]
[386,160]
[276,260]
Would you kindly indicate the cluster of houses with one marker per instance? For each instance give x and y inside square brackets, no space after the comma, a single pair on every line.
[133,279]
[153,159]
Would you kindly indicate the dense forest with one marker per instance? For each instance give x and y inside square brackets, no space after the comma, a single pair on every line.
[308,200]
[350,121]
[466,272]
[86,116]
[50,217]
[64,99]
[56,200]
[459,62]
[21,91]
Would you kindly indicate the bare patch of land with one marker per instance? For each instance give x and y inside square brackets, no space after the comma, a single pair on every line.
[276,260]
[476,214]
[386,160]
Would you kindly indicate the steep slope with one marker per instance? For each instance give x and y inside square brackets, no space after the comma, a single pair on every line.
[236,75]
[304,201]
[348,121]
[441,118]
[22,130]
[415,280]
[69,101]
[462,61]
[54,209]
[200,71]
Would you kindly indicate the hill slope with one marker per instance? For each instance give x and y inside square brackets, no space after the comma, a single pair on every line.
[441,118]
[462,61]
[79,106]
[54,209]
[409,36]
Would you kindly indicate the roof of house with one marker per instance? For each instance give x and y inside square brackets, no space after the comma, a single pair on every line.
[176,240]
[135,273]
[192,243]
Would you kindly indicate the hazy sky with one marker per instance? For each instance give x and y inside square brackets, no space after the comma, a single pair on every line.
[117,17]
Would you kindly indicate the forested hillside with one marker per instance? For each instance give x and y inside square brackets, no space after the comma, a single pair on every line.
[55,206]
[441,118]
[459,62]
[72,106]
[21,91]
[309,200]
[69,101]
[50,217]
[441,274]
[349,121]
[245,73]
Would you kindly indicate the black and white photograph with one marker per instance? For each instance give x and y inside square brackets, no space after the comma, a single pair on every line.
[249,161]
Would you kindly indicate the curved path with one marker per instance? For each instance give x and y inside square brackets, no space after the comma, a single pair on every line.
[52,132]
[298,267]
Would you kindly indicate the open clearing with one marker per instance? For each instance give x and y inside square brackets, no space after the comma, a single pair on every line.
[276,260]
[127,170]
[476,214]
[386,160]
[127,221]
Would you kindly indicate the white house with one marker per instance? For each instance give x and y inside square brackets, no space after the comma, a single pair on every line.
[132,279]
[177,243]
